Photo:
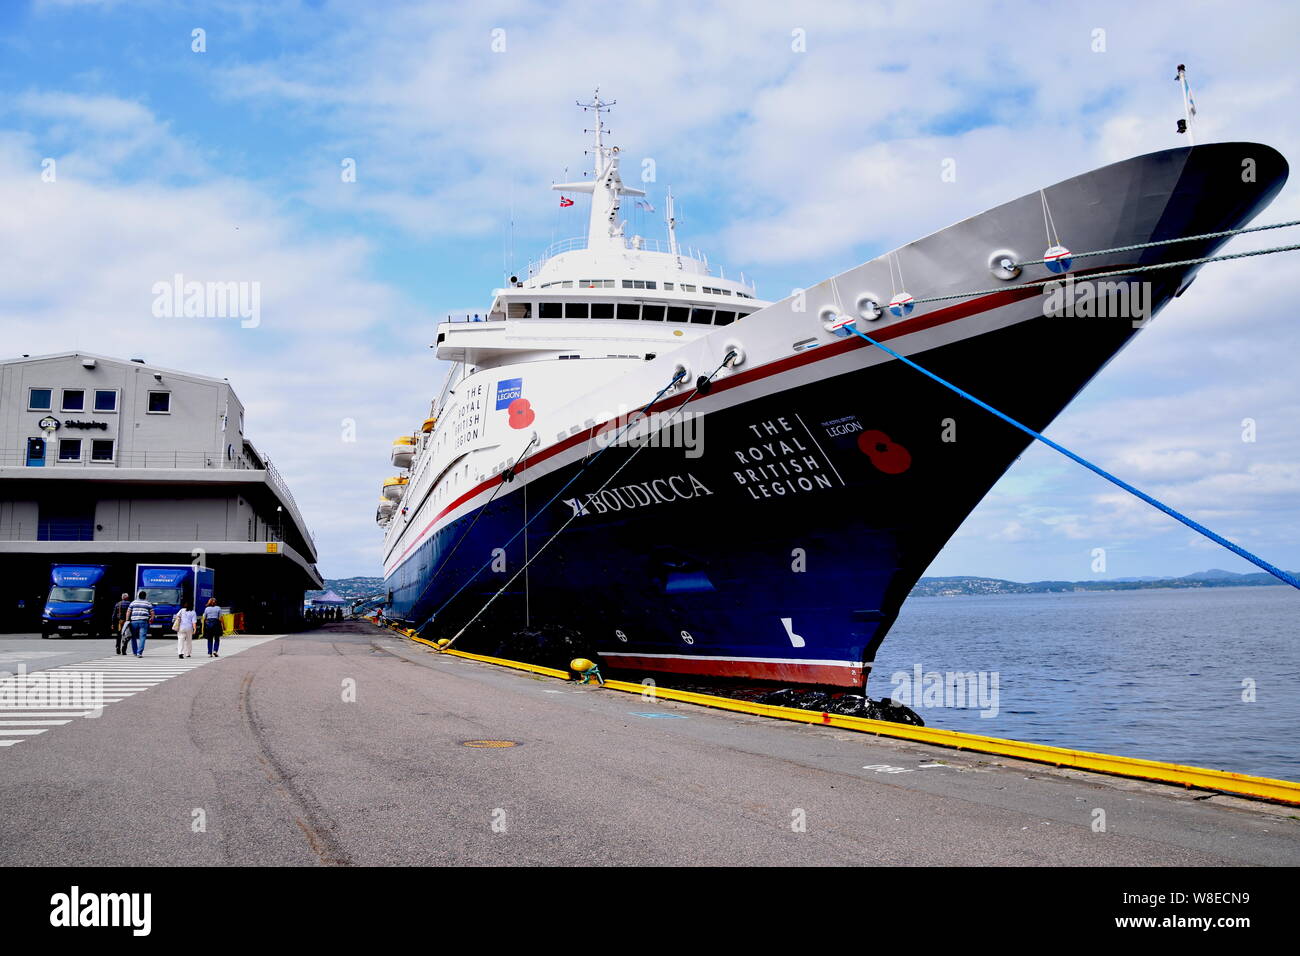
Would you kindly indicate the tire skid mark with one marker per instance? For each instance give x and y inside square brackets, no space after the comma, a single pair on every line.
[319,839]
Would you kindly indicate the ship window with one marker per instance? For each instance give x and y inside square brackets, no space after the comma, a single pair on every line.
[69,449]
[668,287]
[566,284]
[38,399]
[629,310]
[723,317]
[686,288]
[74,399]
[519,310]
[677,313]
[550,310]
[602,310]
[702,316]
[575,310]
[655,313]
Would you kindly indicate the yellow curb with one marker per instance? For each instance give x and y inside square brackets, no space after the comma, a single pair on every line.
[1202,778]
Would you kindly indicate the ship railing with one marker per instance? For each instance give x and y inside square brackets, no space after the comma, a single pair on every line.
[635,244]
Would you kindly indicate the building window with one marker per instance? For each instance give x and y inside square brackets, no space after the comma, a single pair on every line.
[38,399]
[69,449]
[105,400]
[74,400]
[101,449]
[160,403]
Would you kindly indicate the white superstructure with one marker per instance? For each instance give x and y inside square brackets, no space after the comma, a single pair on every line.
[590,310]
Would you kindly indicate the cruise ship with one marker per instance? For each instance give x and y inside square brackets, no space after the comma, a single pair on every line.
[636,456]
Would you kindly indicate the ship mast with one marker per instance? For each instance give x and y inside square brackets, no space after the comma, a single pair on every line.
[604,228]
[672,224]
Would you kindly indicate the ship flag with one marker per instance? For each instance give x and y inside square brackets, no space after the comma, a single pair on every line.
[566,201]
[1189,104]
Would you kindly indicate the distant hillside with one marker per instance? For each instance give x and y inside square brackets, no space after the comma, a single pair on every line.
[1214,578]
[363,587]
[351,588]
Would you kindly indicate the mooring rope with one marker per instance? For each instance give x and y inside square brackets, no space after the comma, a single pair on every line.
[588,462]
[1163,242]
[510,472]
[1195,526]
[1038,283]
[576,511]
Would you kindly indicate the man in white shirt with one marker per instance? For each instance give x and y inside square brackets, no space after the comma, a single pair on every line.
[185,622]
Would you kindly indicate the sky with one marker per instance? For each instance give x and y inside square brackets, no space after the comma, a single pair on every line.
[374,166]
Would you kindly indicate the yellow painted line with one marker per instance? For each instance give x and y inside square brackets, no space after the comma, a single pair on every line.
[1202,778]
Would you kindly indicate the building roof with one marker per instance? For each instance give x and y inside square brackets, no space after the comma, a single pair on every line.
[116,361]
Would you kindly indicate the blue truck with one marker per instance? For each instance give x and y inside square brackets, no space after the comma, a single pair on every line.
[166,586]
[80,602]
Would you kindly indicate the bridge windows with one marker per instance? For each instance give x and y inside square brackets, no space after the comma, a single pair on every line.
[639,284]
[645,311]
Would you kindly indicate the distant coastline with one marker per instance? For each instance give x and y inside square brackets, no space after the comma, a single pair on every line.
[965,584]
[355,588]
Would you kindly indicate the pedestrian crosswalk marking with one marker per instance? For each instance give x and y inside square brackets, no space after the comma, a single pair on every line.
[115,678]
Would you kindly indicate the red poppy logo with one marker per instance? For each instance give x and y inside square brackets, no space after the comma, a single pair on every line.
[521,413]
[889,456]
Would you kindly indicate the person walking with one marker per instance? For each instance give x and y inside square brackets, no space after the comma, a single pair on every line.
[212,627]
[141,611]
[122,623]
[183,623]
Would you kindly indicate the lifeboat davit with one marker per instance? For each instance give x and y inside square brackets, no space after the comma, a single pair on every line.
[394,488]
[403,451]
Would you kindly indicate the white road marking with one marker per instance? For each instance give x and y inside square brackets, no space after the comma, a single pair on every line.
[116,678]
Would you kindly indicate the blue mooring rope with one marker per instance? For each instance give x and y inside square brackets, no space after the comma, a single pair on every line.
[1195,526]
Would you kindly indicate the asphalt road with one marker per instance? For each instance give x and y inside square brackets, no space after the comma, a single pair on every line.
[346,746]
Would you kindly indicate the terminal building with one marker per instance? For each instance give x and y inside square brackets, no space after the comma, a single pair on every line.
[117,462]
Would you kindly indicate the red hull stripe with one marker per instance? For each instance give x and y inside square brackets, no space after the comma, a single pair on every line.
[825,674]
[952,313]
